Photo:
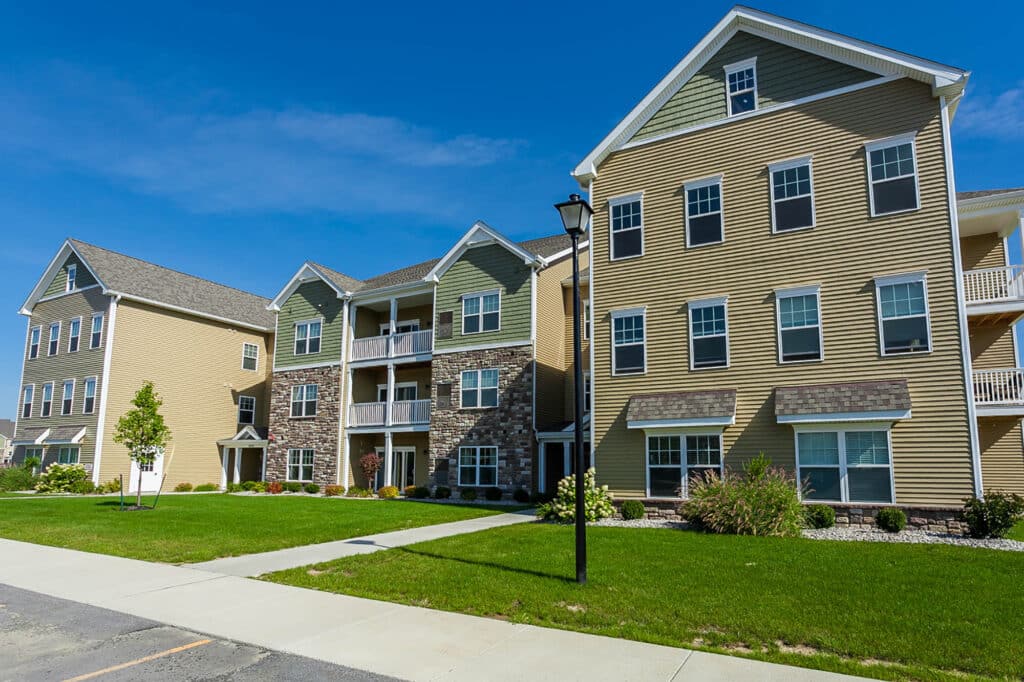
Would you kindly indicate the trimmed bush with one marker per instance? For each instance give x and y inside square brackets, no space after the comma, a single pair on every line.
[259,487]
[111,486]
[249,486]
[334,490]
[597,502]
[291,487]
[233,488]
[183,488]
[467,494]
[494,494]
[409,490]
[764,501]
[61,478]
[633,510]
[388,492]
[85,487]
[206,488]
[442,492]
[17,478]
[311,488]
[521,495]
[540,498]
[421,492]
[820,516]
[993,516]
[356,491]
[891,519]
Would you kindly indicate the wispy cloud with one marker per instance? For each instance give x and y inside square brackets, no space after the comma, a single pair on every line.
[288,160]
[999,117]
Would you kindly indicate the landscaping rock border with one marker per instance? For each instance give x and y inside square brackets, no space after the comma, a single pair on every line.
[912,537]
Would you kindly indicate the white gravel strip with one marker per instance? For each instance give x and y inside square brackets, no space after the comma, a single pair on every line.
[639,523]
[911,536]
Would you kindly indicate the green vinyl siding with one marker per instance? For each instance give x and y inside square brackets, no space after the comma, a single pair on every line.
[486,268]
[784,74]
[311,301]
[83,278]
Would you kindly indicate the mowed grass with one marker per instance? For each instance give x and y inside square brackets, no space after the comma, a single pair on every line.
[189,528]
[892,611]
[1017,532]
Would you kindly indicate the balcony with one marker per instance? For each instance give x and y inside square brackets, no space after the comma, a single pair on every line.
[995,293]
[999,392]
[407,344]
[403,413]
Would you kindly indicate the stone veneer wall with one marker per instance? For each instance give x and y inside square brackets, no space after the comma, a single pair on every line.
[319,432]
[509,426]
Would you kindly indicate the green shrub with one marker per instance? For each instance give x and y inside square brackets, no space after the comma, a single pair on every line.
[993,516]
[17,478]
[86,487]
[356,491]
[111,486]
[540,498]
[249,486]
[467,494]
[409,490]
[819,516]
[183,488]
[61,478]
[763,501]
[274,487]
[597,502]
[206,488]
[333,490]
[521,495]
[494,494]
[633,510]
[292,487]
[31,463]
[442,492]
[233,488]
[421,492]
[311,488]
[259,487]
[388,492]
[891,519]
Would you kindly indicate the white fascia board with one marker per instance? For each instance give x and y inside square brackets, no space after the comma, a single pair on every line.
[479,234]
[66,249]
[393,291]
[977,207]
[565,253]
[835,417]
[696,422]
[999,410]
[306,273]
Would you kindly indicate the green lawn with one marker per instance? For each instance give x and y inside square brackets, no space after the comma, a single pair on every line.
[882,610]
[188,528]
[1017,532]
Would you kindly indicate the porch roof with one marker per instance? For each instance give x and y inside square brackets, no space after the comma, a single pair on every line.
[248,437]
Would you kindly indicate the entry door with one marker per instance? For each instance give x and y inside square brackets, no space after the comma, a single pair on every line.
[151,474]
[403,467]
[554,465]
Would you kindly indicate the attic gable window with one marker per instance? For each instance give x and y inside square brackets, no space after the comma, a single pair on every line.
[72,277]
[741,86]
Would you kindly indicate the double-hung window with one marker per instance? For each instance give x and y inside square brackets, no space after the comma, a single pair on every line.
[46,407]
[304,399]
[480,388]
[96,333]
[627,226]
[67,455]
[741,86]
[307,337]
[903,313]
[74,334]
[892,175]
[54,338]
[72,277]
[478,465]
[481,312]
[672,460]
[89,396]
[33,342]
[586,392]
[704,212]
[26,401]
[850,465]
[629,354]
[67,397]
[586,320]
[300,464]
[709,334]
[250,356]
[246,409]
[792,195]
[799,316]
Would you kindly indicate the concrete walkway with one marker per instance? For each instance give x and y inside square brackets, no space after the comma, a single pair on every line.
[267,562]
[389,639]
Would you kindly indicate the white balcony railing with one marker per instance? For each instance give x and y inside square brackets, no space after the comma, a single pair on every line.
[999,386]
[367,414]
[402,412]
[992,285]
[393,346]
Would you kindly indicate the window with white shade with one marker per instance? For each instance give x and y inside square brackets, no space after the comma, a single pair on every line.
[300,464]
[246,409]
[799,318]
[478,465]
[67,397]
[96,333]
[89,396]
[627,226]
[74,334]
[848,465]
[903,314]
[33,342]
[741,86]
[709,334]
[250,356]
[792,195]
[307,337]
[481,312]
[629,354]
[304,400]
[704,223]
[480,388]
[26,401]
[54,338]
[892,175]
[46,407]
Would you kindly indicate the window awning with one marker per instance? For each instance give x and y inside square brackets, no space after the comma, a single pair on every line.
[564,431]
[248,437]
[881,400]
[57,435]
[683,409]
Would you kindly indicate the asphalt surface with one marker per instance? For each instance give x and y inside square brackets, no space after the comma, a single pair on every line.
[44,638]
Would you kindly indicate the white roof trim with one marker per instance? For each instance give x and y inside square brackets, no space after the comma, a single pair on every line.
[307,273]
[564,253]
[717,422]
[66,249]
[832,417]
[478,235]
[831,45]
[977,207]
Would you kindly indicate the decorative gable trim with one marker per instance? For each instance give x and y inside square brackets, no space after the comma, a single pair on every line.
[307,273]
[56,263]
[481,234]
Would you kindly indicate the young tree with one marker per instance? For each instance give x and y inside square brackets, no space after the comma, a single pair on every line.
[142,430]
[370,463]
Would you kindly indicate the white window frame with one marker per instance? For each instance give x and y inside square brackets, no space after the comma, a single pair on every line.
[72,335]
[30,391]
[885,143]
[301,452]
[907,278]
[792,292]
[398,385]
[319,337]
[734,68]
[480,295]
[684,484]
[64,397]
[241,409]
[385,327]
[618,201]
[246,346]
[587,395]
[480,388]
[586,321]
[700,184]
[93,331]
[85,395]
[708,303]
[628,312]
[50,340]
[43,401]
[841,430]
[303,400]
[37,332]
[70,450]
[788,165]
[71,283]
[477,466]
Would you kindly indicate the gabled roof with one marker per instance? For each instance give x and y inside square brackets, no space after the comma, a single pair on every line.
[6,428]
[481,233]
[145,282]
[944,79]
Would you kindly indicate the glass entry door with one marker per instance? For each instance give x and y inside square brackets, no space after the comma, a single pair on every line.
[403,467]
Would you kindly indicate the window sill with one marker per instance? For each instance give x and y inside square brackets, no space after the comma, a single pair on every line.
[793,229]
[705,369]
[701,246]
[903,354]
[305,416]
[629,374]
[613,259]
[902,210]
[800,362]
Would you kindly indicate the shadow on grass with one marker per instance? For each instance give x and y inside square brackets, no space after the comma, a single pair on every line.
[486,564]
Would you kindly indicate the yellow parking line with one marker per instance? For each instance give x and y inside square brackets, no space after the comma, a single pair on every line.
[137,661]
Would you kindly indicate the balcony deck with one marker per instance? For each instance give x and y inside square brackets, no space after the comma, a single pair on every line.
[404,413]
[409,345]
[995,295]
[999,392]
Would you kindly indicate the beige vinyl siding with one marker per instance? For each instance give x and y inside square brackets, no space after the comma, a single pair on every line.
[982,251]
[311,301]
[83,278]
[551,344]
[368,320]
[481,269]
[992,346]
[570,387]
[1002,456]
[843,254]
[196,367]
[784,74]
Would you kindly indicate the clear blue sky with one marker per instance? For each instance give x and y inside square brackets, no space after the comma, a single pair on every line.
[234,143]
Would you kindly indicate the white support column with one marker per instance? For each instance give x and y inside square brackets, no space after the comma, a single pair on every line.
[389,457]
[263,467]
[238,466]
[346,454]
[224,467]
[390,394]
[394,315]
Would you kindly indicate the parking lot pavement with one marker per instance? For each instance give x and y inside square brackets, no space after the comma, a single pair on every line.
[44,638]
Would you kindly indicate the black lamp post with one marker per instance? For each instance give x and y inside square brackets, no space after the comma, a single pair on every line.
[576,218]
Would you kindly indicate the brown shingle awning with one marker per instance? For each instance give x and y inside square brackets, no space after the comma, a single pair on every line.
[882,400]
[31,435]
[684,408]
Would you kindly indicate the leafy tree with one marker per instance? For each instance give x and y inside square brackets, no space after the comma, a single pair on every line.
[142,430]
[370,463]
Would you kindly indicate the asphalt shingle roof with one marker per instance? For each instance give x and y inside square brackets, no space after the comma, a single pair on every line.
[861,396]
[986,193]
[682,405]
[6,427]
